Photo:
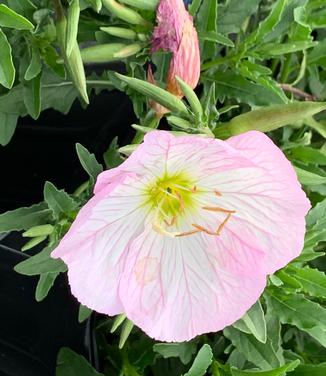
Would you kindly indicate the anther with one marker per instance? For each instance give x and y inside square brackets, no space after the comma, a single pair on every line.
[187,233]
[203,229]
[217,193]
[172,222]
[218,209]
[220,227]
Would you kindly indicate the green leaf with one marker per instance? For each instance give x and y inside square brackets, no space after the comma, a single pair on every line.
[71,364]
[112,157]
[89,162]
[155,93]
[25,218]
[253,322]
[9,18]
[316,213]
[310,370]
[272,49]
[309,178]
[281,371]
[32,96]
[264,356]
[58,200]
[41,263]
[127,327]
[232,15]
[84,313]
[7,69]
[72,26]
[307,155]
[184,350]
[295,309]
[313,281]
[33,242]
[8,123]
[202,361]
[268,24]
[34,67]
[216,38]
[44,285]
[233,85]
[206,21]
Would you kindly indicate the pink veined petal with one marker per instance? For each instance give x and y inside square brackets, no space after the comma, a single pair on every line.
[96,246]
[267,198]
[175,289]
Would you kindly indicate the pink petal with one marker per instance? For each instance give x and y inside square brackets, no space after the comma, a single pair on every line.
[175,289]
[94,249]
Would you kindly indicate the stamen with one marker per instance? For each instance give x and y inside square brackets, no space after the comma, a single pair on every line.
[217,193]
[194,189]
[220,227]
[168,193]
[218,209]
[181,202]
[181,187]
[187,233]
[203,229]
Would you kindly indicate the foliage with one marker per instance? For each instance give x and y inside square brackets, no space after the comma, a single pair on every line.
[263,67]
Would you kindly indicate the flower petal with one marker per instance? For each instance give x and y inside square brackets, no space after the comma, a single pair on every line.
[267,198]
[95,247]
[177,288]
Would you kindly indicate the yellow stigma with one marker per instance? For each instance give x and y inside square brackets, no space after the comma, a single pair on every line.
[171,195]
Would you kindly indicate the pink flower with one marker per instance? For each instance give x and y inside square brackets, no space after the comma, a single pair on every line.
[176,33]
[182,235]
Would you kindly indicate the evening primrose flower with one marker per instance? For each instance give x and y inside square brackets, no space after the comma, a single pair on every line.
[182,235]
[176,33]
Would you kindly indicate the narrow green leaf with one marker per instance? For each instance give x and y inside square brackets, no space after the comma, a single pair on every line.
[191,97]
[316,213]
[70,363]
[8,123]
[194,7]
[41,230]
[9,18]
[216,38]
[83,313]
[307,155]
[41,263]
[89,162]
[253,322]
[7,69]
[202,361]
[155,93]
[127,327]
[272,49]
[33,243]
[118,320]
[58,200]
[44,285]
[72,26]
[25,218]
[310,370]
[32,96]
[206,21]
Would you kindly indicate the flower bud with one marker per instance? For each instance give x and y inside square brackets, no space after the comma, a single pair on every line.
[124,13]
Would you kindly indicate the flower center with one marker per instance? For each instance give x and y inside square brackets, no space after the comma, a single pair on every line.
[170,196]
[173,197]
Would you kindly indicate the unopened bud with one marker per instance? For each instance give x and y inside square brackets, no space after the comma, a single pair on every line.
[120,32]
[101,53]
[127,51]
[124,13]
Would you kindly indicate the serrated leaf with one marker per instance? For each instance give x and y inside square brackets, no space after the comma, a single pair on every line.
[280,371]
[253,322]
[184,350]
[25,218]
[8,123]
[58,200]
[70,363]
[295,309]
[202,361]
[41,263]
[44,285]
[9,18]
[7,69]
[89,162]
[313,281]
